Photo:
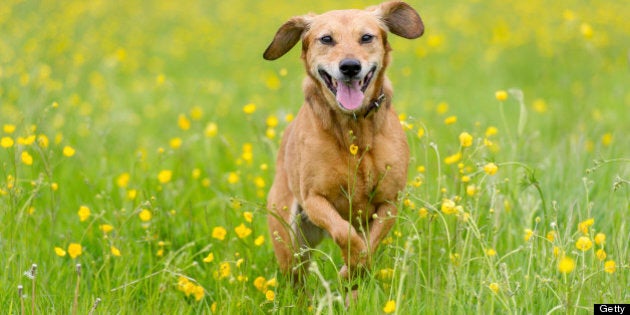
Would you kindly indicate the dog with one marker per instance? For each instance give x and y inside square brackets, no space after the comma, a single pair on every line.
[343,160]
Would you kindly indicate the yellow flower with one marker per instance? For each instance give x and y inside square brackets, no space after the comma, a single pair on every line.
[106,228]
[175,143]
[196,113]
[490,168]
[248,216]
[123,180]
[8,128]
[145,215]
[551,236]
[354,149]
[610,266]
[183,122]
[583,243]
[451,159]
[494,287]
[198,292]
[233,178]
[27,159]
[219,233]
[584,225]
[6,142]
[385,274]
[441,108]
[465,139]
[209,258]
[471,190]
[249,108]
[259,240]
[60,251]
[501,95]
[211,130]
[270,295]
[586,30]
[491,252]
[448,206]
[528,234]
[164,176]
[600,254]
[600,238]
[566,265]
[84,213]
[389,307]
[491,131]
[556,251]
[68,151]
[272,121]
[74,250]
[242,231]
[115,251]
[450,120]
[260,283]
[224,270]
[259,182]
[423,212]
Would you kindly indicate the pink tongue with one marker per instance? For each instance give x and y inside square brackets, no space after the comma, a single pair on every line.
[349,96]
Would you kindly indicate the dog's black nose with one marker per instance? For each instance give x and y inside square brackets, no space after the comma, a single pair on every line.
[350,67]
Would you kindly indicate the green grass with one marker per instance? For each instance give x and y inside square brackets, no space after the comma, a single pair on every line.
[137,88]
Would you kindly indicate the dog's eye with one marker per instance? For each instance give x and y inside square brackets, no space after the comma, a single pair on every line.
[326,40]
[367,38]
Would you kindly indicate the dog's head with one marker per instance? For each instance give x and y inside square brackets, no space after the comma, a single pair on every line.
[346,51]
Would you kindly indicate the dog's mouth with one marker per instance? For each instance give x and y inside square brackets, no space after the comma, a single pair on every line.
[349,93]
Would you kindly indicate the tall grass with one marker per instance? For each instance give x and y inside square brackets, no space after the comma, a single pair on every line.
[138,140]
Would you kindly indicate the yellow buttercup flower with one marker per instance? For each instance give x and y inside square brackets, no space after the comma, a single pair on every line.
[6,142]
[354,149]
[211,130]
[450,120]
[219,233]
[600,238]
[584,225]
[490,168]
[115,251]
[84,213]
[27,159]
[75,250]
[448,206]
[451,159]
[389,307]
[164,176]
[145,215]
[610,266]
[183,122]
[600,254]
[566,265]
[209,258]
[528,234]
[249,108]
[106,228]
[584,243]
[501,95]
[242,231]
[68,151]
[270,295]
[123,180]
[259,240]
[465,139]
[60,251]
[494,287]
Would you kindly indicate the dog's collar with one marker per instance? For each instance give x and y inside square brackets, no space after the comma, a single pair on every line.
[374,106]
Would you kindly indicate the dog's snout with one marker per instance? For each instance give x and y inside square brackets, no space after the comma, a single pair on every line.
[350,67]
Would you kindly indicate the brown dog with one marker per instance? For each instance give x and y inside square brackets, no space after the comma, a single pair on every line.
[343,160]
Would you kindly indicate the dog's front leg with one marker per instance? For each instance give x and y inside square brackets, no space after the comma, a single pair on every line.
[382,222]
[322,213]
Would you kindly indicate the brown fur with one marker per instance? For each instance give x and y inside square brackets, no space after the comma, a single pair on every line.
[320,187]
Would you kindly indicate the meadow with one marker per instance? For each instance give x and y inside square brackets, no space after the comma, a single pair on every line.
[138,143]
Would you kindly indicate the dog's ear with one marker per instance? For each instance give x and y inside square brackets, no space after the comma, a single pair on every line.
[400,18]
[287,36]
